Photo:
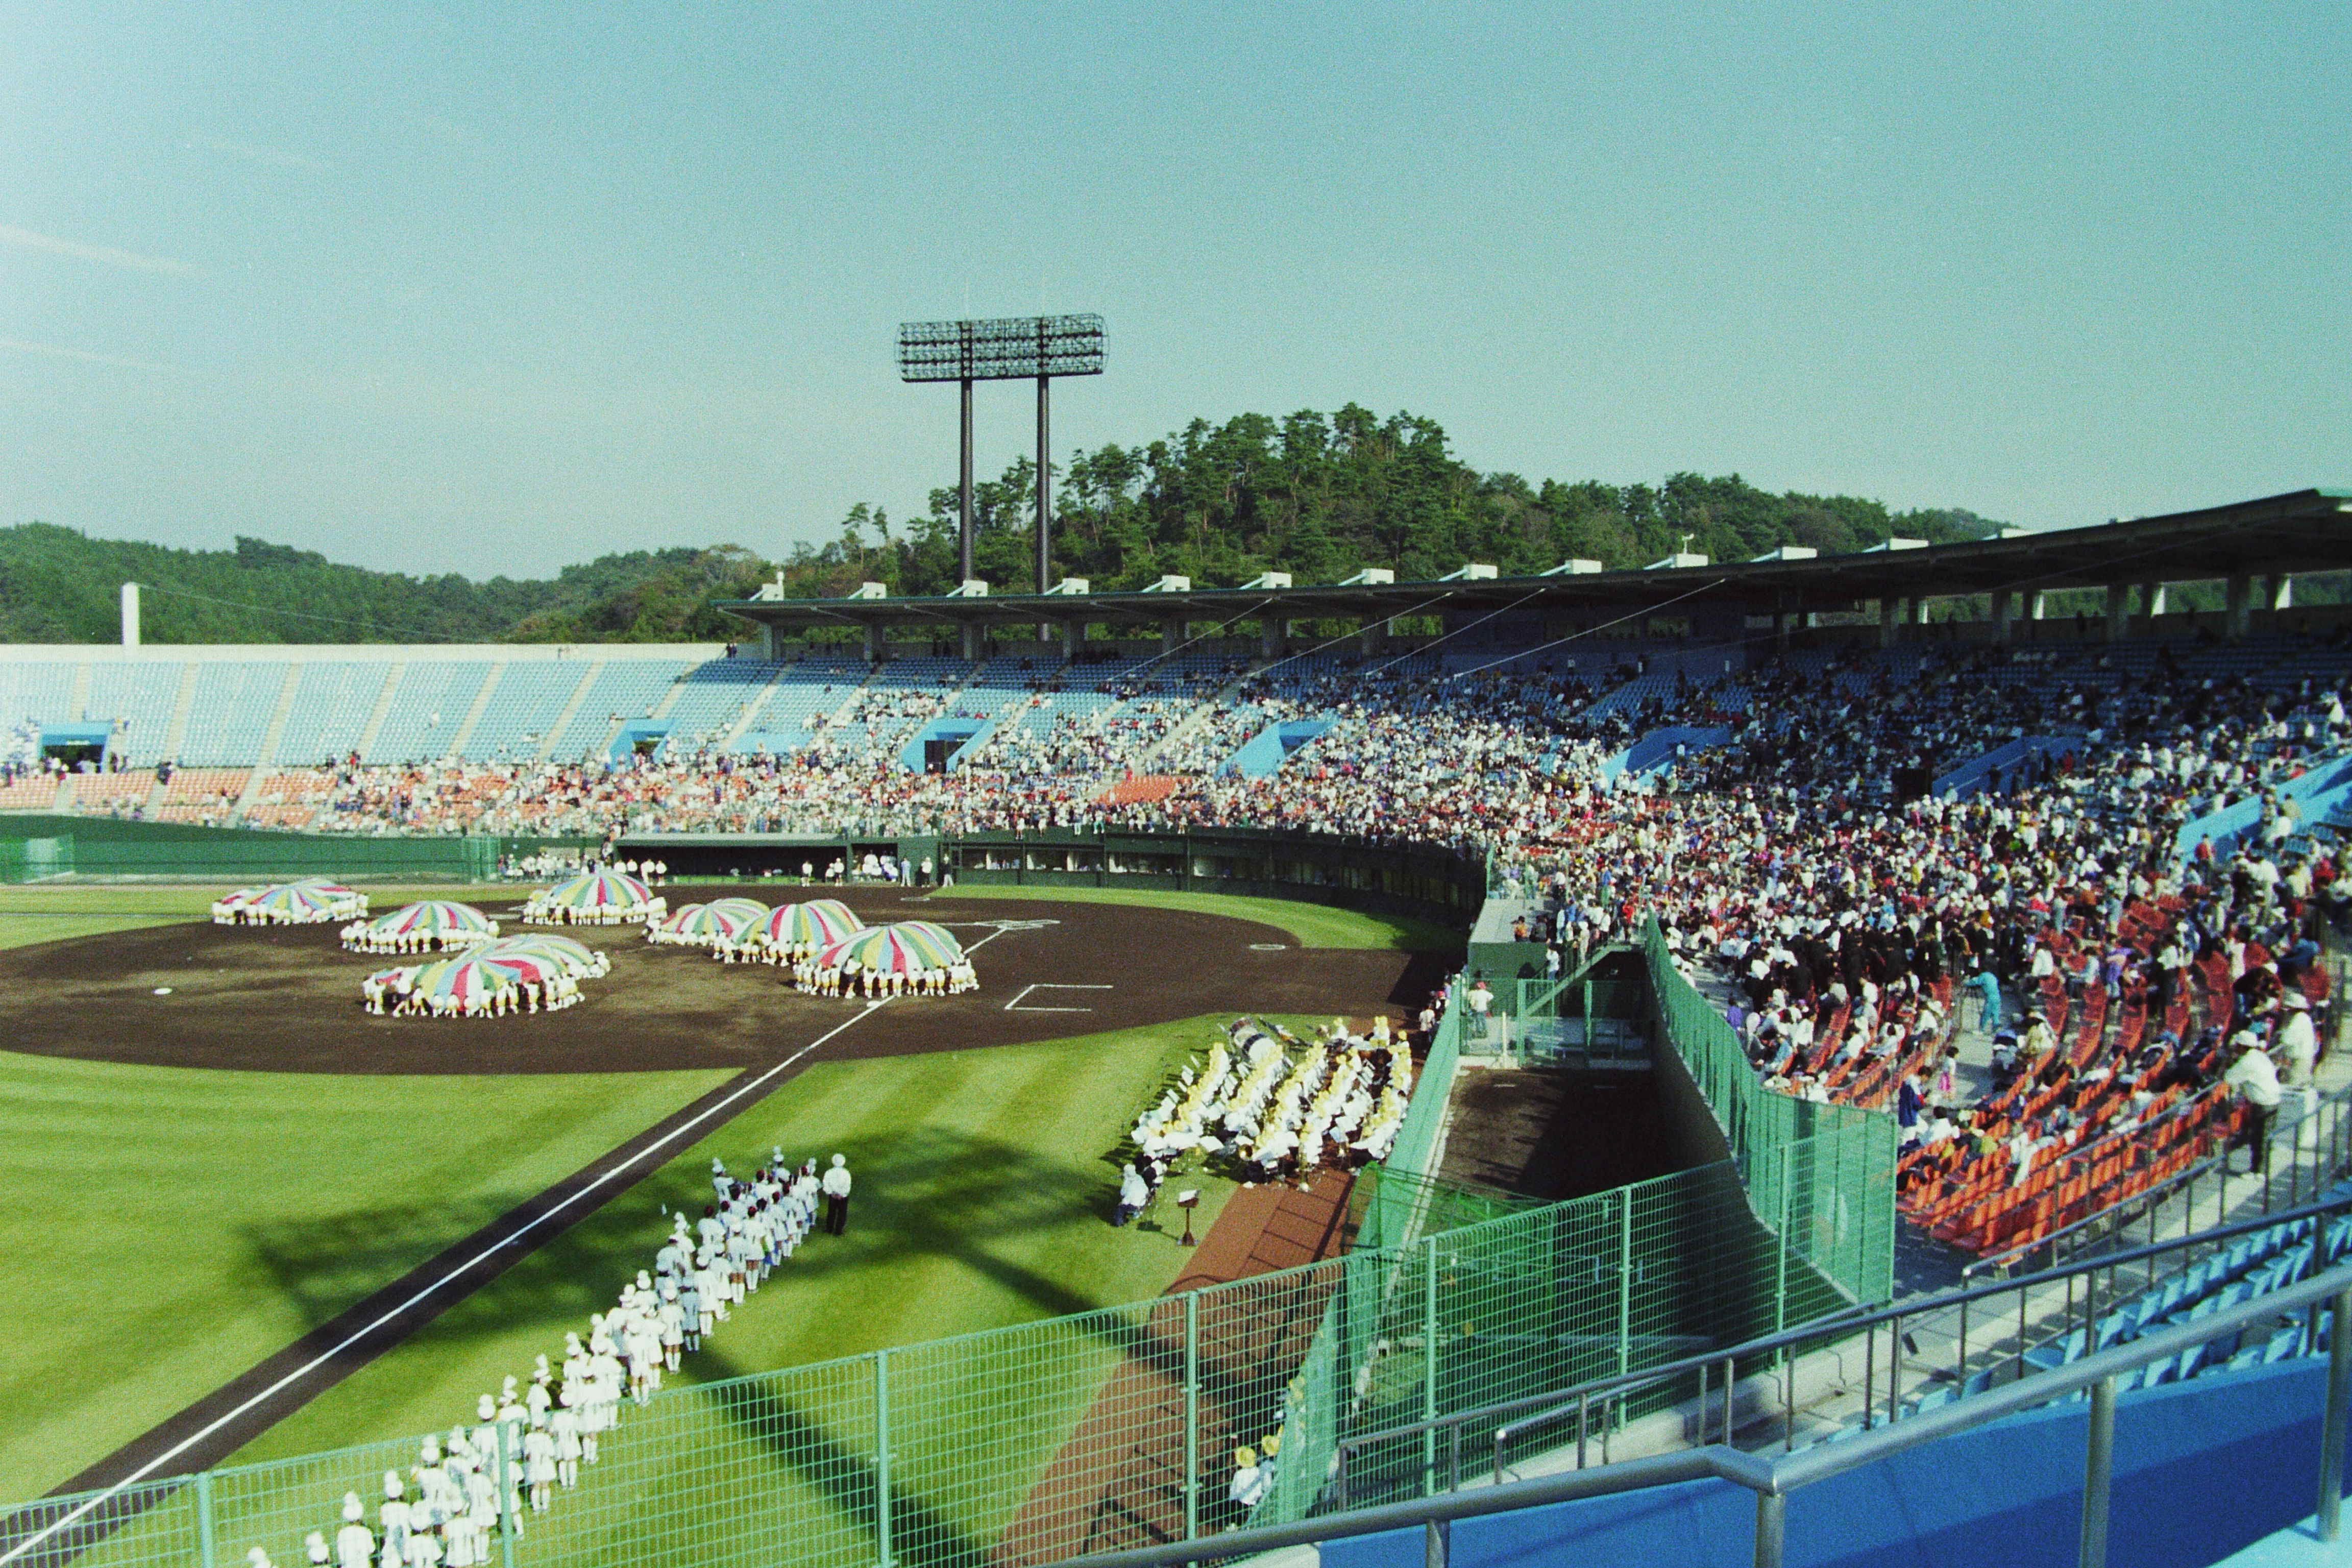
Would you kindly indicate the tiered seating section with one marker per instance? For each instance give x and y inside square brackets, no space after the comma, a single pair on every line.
[2114,1146]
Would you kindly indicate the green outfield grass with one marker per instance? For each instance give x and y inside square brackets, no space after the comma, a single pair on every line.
[163,1229]
[31,914]
[984,1193]
[1315,925]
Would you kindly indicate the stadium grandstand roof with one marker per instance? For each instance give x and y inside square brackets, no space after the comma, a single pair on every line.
[2299,531]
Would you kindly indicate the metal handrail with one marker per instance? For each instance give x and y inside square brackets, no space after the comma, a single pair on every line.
[1559,1401]
[1772,1478]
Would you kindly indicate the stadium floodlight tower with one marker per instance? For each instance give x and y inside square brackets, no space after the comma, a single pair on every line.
[1011,348]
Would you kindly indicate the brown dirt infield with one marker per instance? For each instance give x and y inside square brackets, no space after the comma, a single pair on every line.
[286,998]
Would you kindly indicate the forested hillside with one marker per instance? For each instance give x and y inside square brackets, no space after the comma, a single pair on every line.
[1320,496]
[56,585]
[1316,495]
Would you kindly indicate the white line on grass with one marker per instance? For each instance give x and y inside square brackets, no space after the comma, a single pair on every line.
[310,1366]
[316,1362]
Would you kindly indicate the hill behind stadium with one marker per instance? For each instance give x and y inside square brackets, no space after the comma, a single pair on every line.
[1313,494]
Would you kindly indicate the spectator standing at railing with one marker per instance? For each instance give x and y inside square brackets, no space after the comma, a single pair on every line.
[2298,1041]
[2254,1076]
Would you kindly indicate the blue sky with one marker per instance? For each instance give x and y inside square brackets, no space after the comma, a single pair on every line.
[483,288]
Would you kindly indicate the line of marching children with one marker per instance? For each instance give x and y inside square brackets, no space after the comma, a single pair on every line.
[447,1511]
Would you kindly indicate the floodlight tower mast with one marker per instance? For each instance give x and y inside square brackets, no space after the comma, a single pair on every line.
[1015,348]
[963,491]
[1045,468]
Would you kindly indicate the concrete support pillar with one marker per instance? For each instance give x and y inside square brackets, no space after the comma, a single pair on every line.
[2281,595]
[1917,605]
[1171,633]
[1272,636]
[2004,614]
[974,641]
[875,648]
[2151,604]
[1371,637]
[2118,608]
[1890,615]
[1074,637]
[2238,607]
[2038,605]
[1783,622]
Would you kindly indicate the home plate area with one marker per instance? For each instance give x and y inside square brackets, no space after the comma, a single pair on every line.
[1022,1002]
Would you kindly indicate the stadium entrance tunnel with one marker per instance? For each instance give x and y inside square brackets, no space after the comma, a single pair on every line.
[74,744]
[935,745]
[638,738]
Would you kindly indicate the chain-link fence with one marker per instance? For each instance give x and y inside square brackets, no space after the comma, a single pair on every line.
[1127,1425]
[1823,1173]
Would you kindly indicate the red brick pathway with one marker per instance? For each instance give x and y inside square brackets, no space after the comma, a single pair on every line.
[1120,1479]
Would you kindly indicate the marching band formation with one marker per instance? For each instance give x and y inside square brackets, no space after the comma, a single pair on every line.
[527,1444]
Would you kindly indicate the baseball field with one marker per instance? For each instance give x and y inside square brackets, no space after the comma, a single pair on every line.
[243,1219]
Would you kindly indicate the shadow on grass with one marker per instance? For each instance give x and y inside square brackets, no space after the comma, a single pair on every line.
[931,1193]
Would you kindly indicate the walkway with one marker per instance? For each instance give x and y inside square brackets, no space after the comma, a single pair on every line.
[1123,1479]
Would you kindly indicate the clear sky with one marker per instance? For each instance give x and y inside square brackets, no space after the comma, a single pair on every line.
[483,288]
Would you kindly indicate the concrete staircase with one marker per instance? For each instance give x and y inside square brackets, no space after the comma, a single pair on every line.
[1201,714]
[571,710]
[383,708]
[753,710]
[264,761]
[466,726]
[175,734]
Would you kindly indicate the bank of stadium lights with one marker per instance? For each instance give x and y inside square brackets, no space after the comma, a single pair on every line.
[1010,348]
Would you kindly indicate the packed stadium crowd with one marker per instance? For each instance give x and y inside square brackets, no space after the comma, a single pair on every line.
[1788,840]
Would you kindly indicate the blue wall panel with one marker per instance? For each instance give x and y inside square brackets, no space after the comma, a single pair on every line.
[2202,1469]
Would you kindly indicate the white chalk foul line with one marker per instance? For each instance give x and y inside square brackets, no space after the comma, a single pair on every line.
[1014,1005]
[307,1368]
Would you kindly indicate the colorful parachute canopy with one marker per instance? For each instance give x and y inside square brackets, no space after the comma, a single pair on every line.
[749,912]
[905,948]
[820,922]
[599,890]
[467,979]
[701,925]
[334,891]
[526,968]
[557,954]
[435,918]
[298,901]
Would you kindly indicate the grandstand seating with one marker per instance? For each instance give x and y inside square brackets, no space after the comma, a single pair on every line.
[139,697]
[711,698]
[522,709]
[427,706]
[625,688]
[230,712]
[206,796]
[333,699]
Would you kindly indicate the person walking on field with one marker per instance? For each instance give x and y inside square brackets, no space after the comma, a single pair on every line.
[835,1186]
